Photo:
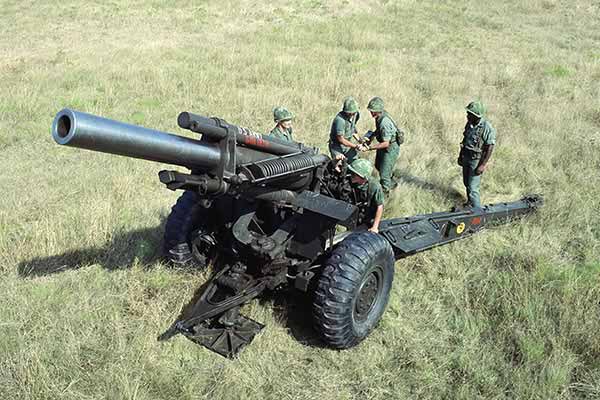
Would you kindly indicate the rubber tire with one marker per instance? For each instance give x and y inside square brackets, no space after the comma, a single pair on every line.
[185,216]
[348,267]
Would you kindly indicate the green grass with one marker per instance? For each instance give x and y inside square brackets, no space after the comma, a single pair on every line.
[510,313]
[558,71]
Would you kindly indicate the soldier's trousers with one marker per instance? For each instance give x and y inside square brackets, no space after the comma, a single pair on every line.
[385,162]
[472,182]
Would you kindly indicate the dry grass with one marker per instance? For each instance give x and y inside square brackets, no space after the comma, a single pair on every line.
[512,313]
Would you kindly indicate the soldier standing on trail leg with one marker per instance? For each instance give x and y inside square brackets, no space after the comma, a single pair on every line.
[476,149]
[369,191]
[389,138]
[283,118]
[343,128]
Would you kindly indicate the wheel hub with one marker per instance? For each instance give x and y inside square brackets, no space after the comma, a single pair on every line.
[366,296]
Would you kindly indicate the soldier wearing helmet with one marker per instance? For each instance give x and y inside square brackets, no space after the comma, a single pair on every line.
[479,138]
[283,118]
[343,128]
[389,137]
[368,191]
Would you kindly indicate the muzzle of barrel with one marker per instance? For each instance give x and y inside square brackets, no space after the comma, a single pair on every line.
[87,131]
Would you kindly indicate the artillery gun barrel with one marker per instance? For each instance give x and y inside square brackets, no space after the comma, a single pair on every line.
[86,131]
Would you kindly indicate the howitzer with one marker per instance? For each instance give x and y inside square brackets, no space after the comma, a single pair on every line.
[264,212]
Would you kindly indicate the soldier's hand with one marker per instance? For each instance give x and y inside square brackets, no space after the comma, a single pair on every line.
[480,169]
[338,163]
[374,229]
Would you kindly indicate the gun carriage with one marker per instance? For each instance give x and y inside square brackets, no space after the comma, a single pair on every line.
[265,212]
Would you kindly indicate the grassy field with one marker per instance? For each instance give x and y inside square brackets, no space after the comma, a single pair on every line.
[512,313]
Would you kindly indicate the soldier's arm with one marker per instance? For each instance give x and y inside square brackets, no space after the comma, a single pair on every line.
[382,145]
[485,157]
[344,141]
[378,199]
[387,131]
[489,140]
[377,219]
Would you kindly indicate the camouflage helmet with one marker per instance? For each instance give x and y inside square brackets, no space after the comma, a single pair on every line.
[282,114]
[350,105]
[375,104]
[361,167]
[476,108]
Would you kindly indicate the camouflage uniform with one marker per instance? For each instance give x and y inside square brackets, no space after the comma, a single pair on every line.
[345,126]
[385,131]
[284,134]
[474,138]
[282,114]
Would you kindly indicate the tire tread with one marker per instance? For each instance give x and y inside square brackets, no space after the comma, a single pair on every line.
[341,276]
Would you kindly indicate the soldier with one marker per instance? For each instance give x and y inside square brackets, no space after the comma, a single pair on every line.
[343,128]
[369,190]
[389,138]
[283,118]
[476,149]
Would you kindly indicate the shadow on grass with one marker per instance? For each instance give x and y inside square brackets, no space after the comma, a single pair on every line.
[445,191]
[294,310]
[144,246]
[122,251]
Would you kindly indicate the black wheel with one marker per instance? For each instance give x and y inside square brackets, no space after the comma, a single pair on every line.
[354,289]
[182,244]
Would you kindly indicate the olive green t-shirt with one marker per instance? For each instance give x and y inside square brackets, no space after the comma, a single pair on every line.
[476,136]
[372,193]
[386,131]
[344,126]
